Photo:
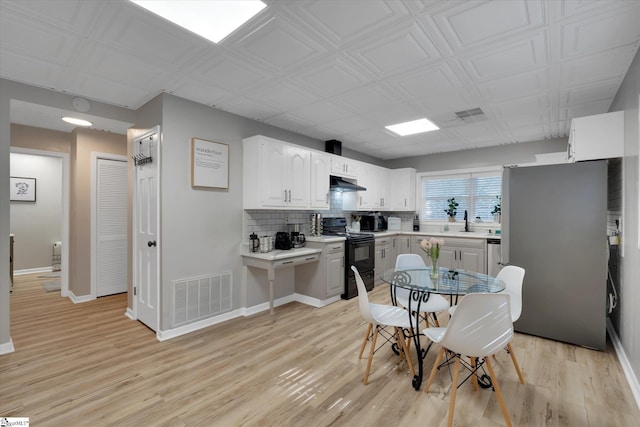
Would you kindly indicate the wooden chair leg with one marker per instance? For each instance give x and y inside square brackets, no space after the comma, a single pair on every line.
[515,363]
[494,381]
[364,341]
[405,351]
[454,389]
[372,350]
[434,369]
[435,320]
[474,377]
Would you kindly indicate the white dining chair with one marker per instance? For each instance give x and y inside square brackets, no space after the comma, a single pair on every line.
[513,278]
[480,326]
[379,317]
[434,304]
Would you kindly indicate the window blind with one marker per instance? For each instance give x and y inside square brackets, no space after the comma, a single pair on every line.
[474,192]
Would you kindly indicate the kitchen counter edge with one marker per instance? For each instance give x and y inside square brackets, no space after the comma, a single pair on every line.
[281,254]
[467,235]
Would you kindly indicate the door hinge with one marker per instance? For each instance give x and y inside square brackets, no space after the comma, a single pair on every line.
[135,290]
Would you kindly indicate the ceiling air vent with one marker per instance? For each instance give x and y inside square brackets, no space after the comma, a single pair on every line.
[471,116]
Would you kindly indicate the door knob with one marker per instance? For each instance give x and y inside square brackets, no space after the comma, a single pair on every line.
[151,243]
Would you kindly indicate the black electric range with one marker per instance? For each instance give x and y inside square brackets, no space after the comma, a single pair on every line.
[359,251]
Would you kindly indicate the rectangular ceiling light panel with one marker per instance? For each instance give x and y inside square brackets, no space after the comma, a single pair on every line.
[412,127]
[213,20]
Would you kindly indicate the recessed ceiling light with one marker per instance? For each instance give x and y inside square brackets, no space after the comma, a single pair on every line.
[412,127]
[77,122]
[213,20]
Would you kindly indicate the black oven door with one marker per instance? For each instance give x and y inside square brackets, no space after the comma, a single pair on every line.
[361,254]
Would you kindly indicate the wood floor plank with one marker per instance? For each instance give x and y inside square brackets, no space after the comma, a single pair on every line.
[89,363]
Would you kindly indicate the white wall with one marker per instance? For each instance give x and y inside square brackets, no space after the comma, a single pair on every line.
[628,314]
[37,225]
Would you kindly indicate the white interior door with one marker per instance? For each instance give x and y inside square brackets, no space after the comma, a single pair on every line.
[111,227]
[146,231]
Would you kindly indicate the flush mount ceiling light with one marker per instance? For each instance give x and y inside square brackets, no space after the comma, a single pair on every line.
[412,127]
[77,122]
[213,20]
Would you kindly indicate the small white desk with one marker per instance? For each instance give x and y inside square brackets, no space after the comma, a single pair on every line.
[274,260]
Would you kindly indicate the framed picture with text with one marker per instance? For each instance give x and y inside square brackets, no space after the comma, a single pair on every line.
[22,189]
[209,164]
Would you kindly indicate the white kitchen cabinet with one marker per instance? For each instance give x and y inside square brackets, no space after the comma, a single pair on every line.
[377,182]
[344,167]
[403,190]
[403,245]
[384,258]
[320,176]
[276,174]
[324,279]
[596,137]
[334,271]
[457,253]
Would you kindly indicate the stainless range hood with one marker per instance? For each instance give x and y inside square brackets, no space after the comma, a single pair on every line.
[340,184]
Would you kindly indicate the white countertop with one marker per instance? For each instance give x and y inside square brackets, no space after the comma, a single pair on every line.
[325,239]
[281,254]
[468,235]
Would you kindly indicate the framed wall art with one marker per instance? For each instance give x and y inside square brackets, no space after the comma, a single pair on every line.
[22,189]
[209,164]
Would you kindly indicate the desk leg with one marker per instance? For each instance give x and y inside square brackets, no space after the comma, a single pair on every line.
[271,276]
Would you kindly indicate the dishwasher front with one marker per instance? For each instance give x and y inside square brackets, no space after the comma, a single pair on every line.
[494,257]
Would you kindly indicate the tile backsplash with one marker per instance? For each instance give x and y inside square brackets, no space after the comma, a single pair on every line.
[268,223]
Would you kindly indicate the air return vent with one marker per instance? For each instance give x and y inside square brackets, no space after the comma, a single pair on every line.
[471,116]
[201,297]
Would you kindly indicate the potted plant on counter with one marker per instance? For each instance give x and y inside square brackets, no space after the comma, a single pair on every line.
[451,211]
[497,210]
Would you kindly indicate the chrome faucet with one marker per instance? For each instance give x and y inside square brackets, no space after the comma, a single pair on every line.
[466,221]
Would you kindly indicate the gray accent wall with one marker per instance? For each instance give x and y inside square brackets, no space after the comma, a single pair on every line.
[202,229]
[37,225]
[507,154]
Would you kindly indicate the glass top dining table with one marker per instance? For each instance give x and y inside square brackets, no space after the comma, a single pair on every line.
[448,282]
[419,284]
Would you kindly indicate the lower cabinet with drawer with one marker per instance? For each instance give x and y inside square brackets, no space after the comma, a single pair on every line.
[324,279]
[457,253]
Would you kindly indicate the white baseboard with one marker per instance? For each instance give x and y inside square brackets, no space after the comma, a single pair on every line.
[315,302]
[80,299]
[245,311]
[624,362]
[7,347]
[33,271]
[192,327]
[129,313]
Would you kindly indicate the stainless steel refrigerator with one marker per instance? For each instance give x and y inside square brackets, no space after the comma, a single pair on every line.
[554,226]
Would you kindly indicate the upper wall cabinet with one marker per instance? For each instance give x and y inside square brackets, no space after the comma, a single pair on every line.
[320,172]
[596,137]
[341,166]
[377,181]
[403,190]
[276,174]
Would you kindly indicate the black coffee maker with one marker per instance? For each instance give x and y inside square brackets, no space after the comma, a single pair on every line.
[283,240]
[297,238]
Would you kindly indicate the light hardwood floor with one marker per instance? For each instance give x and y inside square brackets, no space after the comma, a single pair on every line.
[87,364]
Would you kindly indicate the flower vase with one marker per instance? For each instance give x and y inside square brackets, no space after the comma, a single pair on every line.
[434,268]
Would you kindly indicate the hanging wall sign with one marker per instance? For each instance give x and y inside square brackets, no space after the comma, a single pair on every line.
[209,164]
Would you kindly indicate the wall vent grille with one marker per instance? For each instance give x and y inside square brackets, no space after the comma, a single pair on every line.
[197,298]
